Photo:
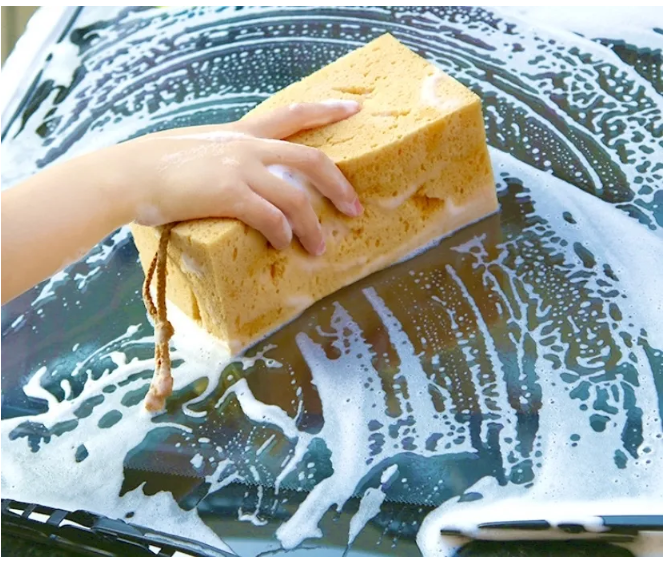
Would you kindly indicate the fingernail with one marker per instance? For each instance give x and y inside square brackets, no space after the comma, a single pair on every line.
[358,207]
[321,248]
[353,209]
[350,106]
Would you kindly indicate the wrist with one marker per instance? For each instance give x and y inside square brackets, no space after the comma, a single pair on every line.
[119,182]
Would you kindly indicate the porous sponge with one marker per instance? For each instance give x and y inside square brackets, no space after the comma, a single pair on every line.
[417,156]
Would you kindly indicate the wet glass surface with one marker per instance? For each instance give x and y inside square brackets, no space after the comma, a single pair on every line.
[531,338]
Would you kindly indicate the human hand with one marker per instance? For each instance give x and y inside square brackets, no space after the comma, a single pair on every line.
[225,171]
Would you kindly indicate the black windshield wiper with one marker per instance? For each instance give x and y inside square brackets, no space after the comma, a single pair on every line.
[91,534]
[618,528]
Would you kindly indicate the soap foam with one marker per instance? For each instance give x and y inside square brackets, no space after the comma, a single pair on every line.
[430,95]
[296,179]
[192,266]
[621,229]
[370,505]
[534,504]
[94,483]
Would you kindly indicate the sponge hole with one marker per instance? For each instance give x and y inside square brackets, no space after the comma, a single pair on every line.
[196,310]
[356,90]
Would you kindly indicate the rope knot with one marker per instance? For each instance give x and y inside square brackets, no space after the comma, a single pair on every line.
[163,332]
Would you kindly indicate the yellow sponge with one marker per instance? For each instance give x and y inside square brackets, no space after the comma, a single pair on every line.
[416,154]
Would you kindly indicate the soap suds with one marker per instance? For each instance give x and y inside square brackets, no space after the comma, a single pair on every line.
[554,284]
[430,94]
[253,517]
[533,504]
[191,266]
[212,136]
[94,483]
[394,202]
[370,505]
[299,302]
[297,179]
[197,461]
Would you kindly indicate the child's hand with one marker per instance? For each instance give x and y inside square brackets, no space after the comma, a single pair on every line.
[57,215]
[221,171]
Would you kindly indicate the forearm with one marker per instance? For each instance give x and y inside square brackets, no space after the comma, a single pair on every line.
[57,216]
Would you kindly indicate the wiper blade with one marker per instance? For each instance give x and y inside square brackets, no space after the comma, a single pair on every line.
[91,534]
[615,528]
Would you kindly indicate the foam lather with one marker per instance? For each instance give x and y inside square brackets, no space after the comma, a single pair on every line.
[416,155]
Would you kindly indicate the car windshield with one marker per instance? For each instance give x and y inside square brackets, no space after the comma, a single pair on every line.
[513,371]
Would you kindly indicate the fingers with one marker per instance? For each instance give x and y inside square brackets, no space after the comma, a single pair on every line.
[289,120]
[294,202]
[263,216]
[323,173]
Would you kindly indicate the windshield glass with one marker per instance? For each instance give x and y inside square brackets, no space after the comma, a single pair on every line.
[513,371]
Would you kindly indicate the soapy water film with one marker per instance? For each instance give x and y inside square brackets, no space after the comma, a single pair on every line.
[520,358]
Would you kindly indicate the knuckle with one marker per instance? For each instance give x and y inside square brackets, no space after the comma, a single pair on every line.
[317,233]
[235,190]
[274,220]
[314,156]
[297,110]
[312,227]
[299,200]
